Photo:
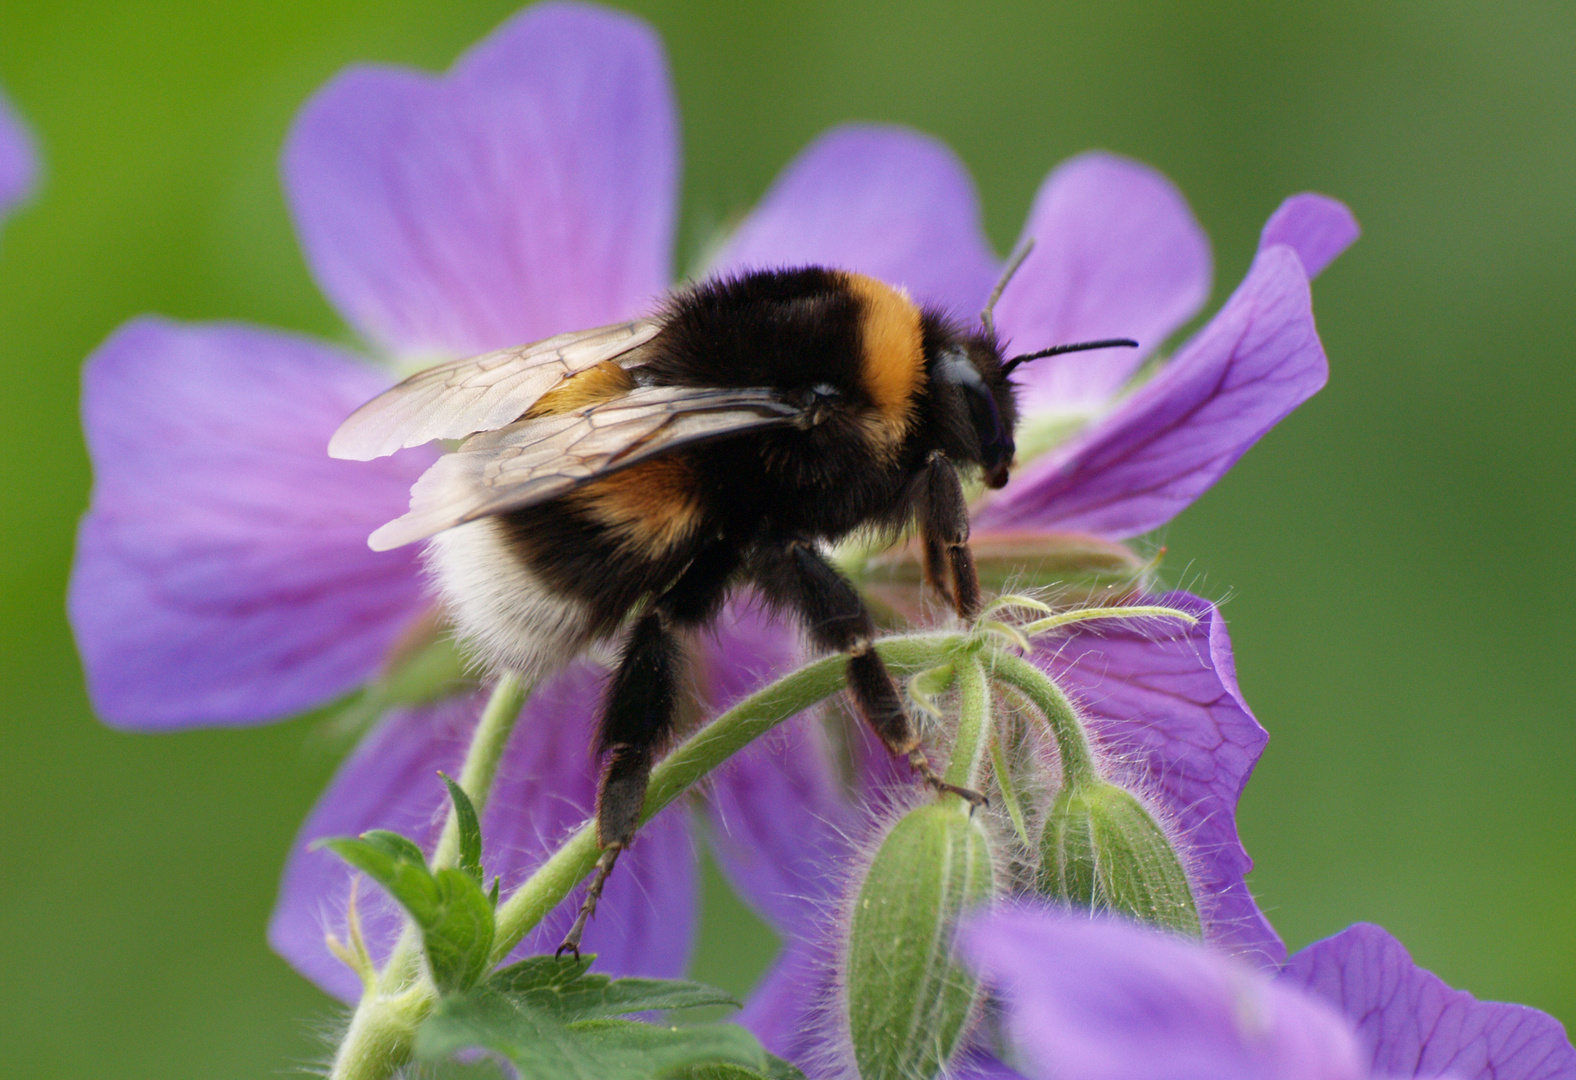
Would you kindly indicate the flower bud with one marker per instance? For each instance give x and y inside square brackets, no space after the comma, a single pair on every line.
[1102,850]
[909,1000]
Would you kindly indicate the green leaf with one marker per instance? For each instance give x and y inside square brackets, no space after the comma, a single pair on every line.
[450,909]
[470,829]
[564,989]
[541,1047]
[403,874]
[459,937]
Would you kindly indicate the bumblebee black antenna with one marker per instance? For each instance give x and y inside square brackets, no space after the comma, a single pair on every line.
[987,317]
[1057,350]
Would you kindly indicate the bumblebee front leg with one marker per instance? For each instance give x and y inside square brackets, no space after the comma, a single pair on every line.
[944,532]
[836,619]
[642,703]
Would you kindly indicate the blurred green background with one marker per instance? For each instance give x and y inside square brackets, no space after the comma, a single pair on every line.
[1397,555]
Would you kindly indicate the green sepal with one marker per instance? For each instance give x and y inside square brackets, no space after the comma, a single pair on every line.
[910,1001]
[1103,851]
[470,828]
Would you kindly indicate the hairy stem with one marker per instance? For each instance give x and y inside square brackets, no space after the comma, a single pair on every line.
[693,759]
[382,1032]
[379,1038]
[973,724]
[1072,742]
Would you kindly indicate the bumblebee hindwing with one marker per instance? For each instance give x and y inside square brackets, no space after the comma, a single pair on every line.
[480,393]
[535,460]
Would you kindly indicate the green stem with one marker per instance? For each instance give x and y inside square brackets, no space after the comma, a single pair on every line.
[381,1031]
[1072,743]
[482,759]
[973,722]
[697,756]
[998,762]
[1077,615]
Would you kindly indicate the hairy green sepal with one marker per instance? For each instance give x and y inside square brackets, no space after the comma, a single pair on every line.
[1103,851]
[909,1000]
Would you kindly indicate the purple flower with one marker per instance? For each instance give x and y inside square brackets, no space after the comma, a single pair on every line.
[18,159]
[1168,721]
[1409,1023]
[222,575]
[1103,999]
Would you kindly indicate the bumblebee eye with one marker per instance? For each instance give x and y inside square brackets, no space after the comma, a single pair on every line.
[996,446]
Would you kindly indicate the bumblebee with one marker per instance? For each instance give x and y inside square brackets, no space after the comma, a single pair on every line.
[652,467]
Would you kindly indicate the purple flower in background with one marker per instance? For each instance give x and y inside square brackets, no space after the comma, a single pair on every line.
[18,159]
[1409,1023]
[222,575]
[1101,999]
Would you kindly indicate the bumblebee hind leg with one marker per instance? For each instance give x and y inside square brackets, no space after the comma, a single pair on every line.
[795,575]
[638,718]
[641,705]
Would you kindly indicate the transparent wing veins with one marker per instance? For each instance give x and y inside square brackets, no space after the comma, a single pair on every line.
[480,393]
[532,461]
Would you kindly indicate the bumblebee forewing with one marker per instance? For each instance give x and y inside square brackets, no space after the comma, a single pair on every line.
[540,459]
[480,393]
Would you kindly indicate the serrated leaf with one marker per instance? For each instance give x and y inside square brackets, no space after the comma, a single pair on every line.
[719,1072]
[545,970]
[564,989]
[542,1048]
[776,1069]
[470,829]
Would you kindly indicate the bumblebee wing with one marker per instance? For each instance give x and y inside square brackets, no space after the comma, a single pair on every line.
[452,400]
[535,460]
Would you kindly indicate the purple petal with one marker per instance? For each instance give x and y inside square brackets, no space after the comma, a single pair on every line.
[1098,999]
[1136,469]
[1163,700]
[528,192]
[1117,253]
[222,571]
[18,158]
[884,201]
[1412,1024]
[545,789]
[1316,227]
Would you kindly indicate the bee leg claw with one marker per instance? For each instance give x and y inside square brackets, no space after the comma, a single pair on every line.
[604,867]
[921,765]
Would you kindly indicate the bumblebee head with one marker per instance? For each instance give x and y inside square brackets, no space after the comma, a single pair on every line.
[979,371]
[971,368]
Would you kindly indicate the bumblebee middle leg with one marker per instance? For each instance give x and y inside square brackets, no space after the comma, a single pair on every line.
[795,575]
